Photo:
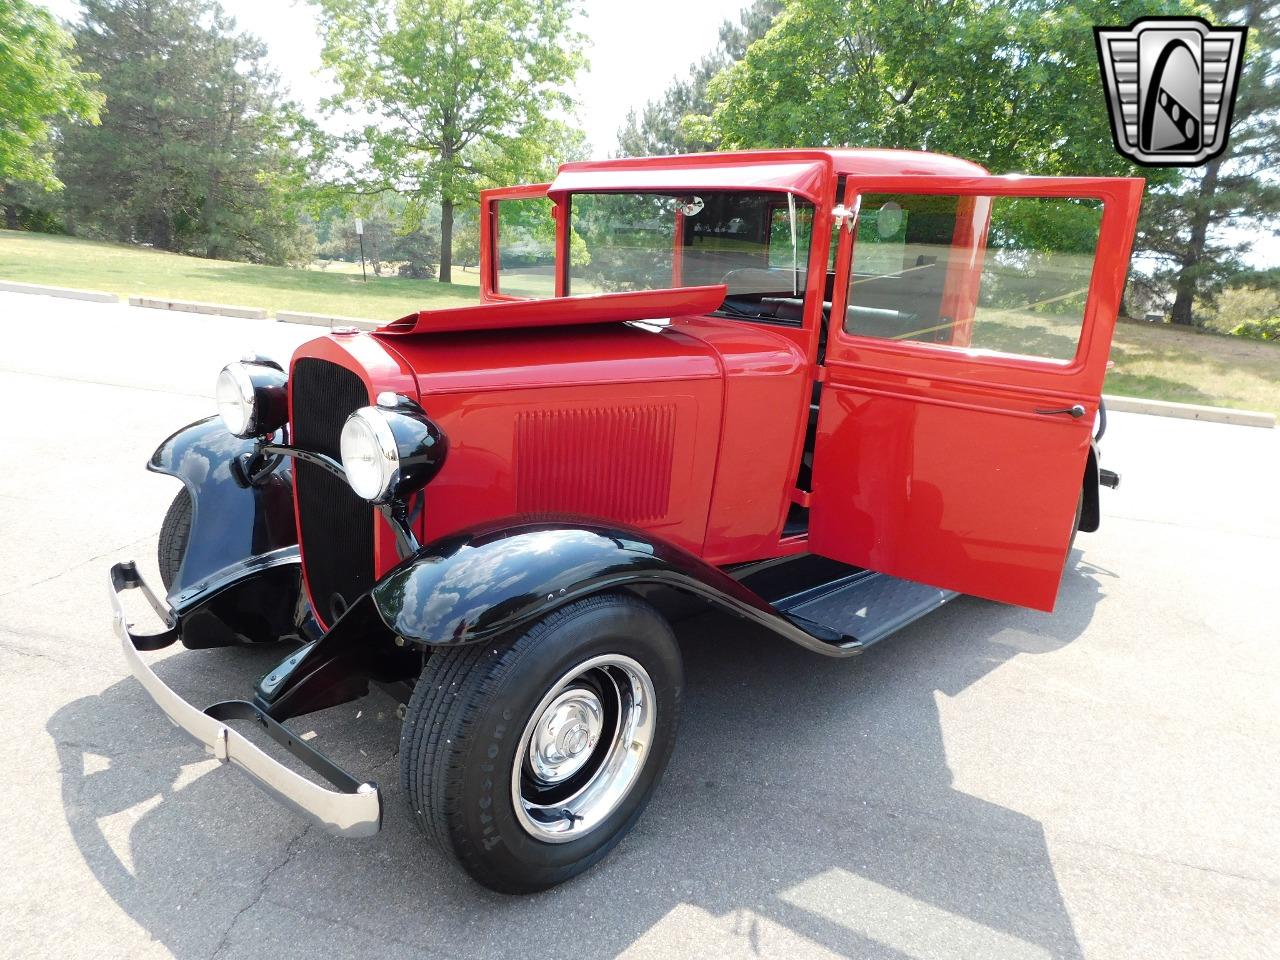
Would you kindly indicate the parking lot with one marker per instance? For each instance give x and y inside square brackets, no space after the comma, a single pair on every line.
[992,782]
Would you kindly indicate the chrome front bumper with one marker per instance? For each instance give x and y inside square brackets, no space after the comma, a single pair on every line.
[354,809]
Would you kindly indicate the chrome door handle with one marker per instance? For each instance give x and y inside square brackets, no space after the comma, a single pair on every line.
[1076,411]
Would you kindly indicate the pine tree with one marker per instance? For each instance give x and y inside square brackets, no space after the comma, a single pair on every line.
[1203,238]
[194,153]
[657,129]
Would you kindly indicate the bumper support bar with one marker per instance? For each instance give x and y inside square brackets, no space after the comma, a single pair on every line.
[354,809]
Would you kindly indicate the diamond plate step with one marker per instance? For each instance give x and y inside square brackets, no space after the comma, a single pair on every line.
[865,608]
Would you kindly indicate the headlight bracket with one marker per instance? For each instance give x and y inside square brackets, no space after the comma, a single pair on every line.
[420,451]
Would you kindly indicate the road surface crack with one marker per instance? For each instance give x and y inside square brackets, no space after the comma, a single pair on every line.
[291,850]
[75,566]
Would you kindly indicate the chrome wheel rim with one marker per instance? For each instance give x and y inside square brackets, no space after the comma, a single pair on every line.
[583,748]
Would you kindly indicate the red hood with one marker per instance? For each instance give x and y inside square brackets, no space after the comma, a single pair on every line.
[561,311]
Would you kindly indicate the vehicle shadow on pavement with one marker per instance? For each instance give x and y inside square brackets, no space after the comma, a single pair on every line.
[809,810]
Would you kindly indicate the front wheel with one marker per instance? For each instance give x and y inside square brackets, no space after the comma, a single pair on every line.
[527,762]
[175,533]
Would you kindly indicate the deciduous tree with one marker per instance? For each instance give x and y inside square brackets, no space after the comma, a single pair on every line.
[40,85]
[1011,85]
[459,94]
[1014,86]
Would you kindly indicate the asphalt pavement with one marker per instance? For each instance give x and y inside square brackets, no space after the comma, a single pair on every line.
[990,783]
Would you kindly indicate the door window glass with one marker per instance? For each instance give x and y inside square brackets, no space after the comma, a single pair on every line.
[526,248]
[1005,274]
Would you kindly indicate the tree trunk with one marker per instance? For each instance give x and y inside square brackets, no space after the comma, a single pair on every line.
[10,209]
[1184,299]
[446,241]
[160,232]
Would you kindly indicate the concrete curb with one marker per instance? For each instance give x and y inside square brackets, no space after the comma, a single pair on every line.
[68,293]
[1189,411]
[195,306]
[324,320]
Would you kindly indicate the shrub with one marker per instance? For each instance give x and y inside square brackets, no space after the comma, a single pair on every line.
[1265,329]
[420,252]
[1236,305]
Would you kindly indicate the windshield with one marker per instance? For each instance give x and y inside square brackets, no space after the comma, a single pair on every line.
[755,243]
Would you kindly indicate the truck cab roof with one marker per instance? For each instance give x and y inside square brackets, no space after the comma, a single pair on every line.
[803,171]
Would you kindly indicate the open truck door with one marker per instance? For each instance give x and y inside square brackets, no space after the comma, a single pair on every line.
[968,340]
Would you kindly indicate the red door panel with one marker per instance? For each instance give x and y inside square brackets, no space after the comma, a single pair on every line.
[932,462]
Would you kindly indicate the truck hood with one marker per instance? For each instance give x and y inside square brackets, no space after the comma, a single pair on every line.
[560,311]
[551,359]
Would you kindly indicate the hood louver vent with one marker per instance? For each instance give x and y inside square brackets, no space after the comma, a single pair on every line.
[613,463]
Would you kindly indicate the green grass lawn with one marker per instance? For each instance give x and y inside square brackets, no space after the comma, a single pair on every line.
[69,262]
[1151,360]
[1162,362]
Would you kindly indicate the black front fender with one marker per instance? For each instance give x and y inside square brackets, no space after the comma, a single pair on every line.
[480,584]
[232,519]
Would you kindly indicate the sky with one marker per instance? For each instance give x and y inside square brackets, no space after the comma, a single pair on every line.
[635,51]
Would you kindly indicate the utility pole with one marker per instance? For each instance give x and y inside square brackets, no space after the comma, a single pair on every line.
[360,234]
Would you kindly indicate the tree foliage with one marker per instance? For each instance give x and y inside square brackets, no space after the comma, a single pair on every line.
[1012,85]
[40,85]
[411,253]
[195,150]
[658,128]
[460,94]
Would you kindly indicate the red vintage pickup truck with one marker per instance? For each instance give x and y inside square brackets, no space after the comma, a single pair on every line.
[822,390]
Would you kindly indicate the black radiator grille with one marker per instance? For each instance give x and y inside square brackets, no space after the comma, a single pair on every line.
[335,525]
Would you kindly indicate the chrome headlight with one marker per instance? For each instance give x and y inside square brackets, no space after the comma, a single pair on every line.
[391,450]
[252,398]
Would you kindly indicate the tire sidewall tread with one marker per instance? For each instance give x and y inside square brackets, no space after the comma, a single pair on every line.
[468,713]
[175,534]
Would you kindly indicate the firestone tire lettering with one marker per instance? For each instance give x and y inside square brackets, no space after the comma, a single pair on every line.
[459,741]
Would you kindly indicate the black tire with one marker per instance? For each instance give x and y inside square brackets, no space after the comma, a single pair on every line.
[175,531]
[465,724]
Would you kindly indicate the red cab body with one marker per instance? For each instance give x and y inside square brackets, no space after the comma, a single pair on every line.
[890,359]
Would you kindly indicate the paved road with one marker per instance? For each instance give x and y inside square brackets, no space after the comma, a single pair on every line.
[1101,782]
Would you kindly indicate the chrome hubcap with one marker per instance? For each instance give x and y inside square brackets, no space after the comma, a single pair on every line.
[563,739]
[583,748]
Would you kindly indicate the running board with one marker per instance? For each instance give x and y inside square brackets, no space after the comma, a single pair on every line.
[862,609]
